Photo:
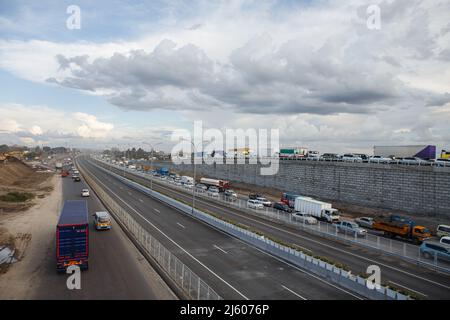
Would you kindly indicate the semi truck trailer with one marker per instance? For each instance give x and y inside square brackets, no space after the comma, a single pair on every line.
[72,236]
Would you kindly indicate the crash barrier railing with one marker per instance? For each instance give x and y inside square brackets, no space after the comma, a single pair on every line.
[406,251]
[325,270]
[191,284]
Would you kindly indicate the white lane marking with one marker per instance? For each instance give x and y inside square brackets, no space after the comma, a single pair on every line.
[181,225]
[398,284]
[156,210]
[129,193]
[294,293]
[270,255]
[217,247]
[141,200]
[319,243]
[176,244]
[121,188]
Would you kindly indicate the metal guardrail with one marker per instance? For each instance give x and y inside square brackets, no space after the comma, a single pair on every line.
[184,277]
[321,268]
[390,246]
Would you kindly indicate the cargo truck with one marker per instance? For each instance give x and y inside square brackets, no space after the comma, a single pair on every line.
[72,236]
[289,198]
[318,209]
[404,230]
[222,185]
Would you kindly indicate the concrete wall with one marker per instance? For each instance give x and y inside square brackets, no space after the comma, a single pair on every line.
[408,188]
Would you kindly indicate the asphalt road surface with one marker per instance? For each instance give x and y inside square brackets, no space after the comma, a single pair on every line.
[231,267]
[426,283]
[116,268]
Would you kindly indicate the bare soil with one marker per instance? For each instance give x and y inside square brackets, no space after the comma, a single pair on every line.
[16,231]
[18,176]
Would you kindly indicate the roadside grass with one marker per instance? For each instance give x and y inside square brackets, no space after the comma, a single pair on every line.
[16,196]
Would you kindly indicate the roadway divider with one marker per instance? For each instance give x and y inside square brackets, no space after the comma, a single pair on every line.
[303,260]
[192,286]
[408,252]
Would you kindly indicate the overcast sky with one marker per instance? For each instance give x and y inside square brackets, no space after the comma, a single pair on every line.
[137,70]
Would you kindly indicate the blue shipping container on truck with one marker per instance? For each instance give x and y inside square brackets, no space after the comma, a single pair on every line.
[72,235]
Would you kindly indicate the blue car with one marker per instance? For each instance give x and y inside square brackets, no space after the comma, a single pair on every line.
[431,249]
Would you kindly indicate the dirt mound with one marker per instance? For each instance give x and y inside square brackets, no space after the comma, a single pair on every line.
[18,177]
[12,171]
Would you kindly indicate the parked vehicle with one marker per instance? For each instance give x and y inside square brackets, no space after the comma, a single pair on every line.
[365,222]
[213,192]
[313,155]
[58,165]
[222,185]
[282,207]
[318,209]
[264,201]
[254,196]
[403,230]
[443,230]
[349,227]
[230,195]
[349,157]
[187,179]
[102,220]
[445,240]
[414,161]
[254,204]
[435,250]
[364,157]
[289,198]
[200,187]
[85,193]
[72,235]
[188,185]
[304,218]
[330,157]
[379,159]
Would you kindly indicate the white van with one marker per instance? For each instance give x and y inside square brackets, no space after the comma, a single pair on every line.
[443,230]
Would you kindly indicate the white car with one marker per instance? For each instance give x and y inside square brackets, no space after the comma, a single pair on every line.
[213,192]
[304,218]
[349,157]
[379,159]
[445,240]
[85,193]
[188,185]
[264,201]
[200,188]
[254,204]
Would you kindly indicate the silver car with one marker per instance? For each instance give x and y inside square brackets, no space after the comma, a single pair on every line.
[349,227]
[365,222]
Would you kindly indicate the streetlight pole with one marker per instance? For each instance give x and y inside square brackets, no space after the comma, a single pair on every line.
[151,162]
[193,188]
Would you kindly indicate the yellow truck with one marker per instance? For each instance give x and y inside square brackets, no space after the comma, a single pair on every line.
[402,230]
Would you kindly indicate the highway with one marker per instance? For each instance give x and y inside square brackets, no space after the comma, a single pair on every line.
[116,268]
[426,283]
[231,267]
